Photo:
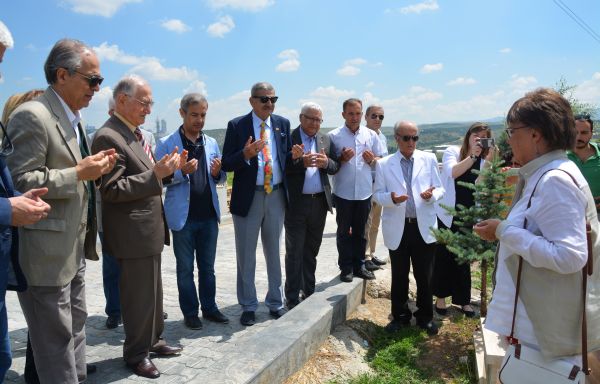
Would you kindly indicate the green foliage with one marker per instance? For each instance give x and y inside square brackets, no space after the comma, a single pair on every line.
[566,90]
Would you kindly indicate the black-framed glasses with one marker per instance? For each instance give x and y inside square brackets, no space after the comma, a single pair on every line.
[313,119]
[145,104]
[409,138]
[93,80]
[7,147]
[264,99]
[376,116]
[509,131]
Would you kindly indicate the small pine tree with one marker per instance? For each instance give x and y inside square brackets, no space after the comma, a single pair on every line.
[490,195]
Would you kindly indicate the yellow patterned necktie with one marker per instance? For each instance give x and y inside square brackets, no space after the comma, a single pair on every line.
[266,160]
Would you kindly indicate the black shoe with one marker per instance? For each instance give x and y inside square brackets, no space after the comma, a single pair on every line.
[378,261]
[291,304]
[216,317]
[396,325]
[346,277]
[364,274]
[278,313]
[441,311]
[467,313]
[192,322]
[429,327]
[248,318]
[91,368]
[371,266]
[113,322]
[165,315]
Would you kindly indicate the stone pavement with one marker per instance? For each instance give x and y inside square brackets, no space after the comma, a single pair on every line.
[205,352]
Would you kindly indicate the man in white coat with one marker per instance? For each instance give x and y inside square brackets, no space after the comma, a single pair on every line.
[407,184]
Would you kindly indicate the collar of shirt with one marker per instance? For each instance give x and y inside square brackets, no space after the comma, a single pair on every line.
[596,154]
[355,132]
[186,141]
[74,118]
[257,120]
[125,121]
[305,137]
[530,168]
[404,158]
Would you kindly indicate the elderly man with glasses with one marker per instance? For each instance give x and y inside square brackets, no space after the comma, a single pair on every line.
[51,151]
[255,150]
[586,154]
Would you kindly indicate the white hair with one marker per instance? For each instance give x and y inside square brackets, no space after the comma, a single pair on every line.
[128,85]
[6,38]
[310,106]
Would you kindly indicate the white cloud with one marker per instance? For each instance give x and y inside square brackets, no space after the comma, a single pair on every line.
[222,110]
[370,84]
[428,68]
[196,86]
[428,5]
[105,8]
[505,50]
[462,81]
[175,25]
[331,92]
[330,99]
[475,108]
[221,27]
[521,83]
[356,61]
[348,70]
[290,62]
[97,112]
[244,5]
[589,90]
[147,66]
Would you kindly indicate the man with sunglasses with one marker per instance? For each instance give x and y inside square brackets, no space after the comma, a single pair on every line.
[374,118]
[51,151]
[357,149]
[586,154]
[255,149]
[407,185]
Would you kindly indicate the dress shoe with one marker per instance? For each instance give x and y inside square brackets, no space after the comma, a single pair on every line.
[216,317]
[192,322]
[441,311]
[429,327]
[145,368]
[291,304]
[364,274]
[248,318]
[346,277]
[467,312]
[91,368]
[278,313]
[371,266]
[378,261]
[113,322]
[166,350]
[396,325]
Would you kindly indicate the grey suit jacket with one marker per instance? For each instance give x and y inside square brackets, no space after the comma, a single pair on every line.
[45,155]
[132,211]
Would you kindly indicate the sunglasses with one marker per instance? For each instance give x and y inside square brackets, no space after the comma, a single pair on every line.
[375,116]
[409,138]
[93,80]
[264,99]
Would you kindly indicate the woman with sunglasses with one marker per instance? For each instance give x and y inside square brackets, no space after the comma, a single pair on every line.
[450,278]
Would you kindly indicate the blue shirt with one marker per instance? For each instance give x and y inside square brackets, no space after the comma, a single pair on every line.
[312,178]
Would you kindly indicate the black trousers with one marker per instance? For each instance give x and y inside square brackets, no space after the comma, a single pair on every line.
[351,214]
[304,224]
[449,277]
[412,248]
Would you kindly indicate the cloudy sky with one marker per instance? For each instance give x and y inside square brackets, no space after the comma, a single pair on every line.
[423,60]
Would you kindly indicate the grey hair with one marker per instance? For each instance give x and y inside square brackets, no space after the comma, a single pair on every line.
[66,53]
[128,85]
[371,107]
[310,106]
[192,99]
[6,38]
[111,103]
[403,123]
[262,86]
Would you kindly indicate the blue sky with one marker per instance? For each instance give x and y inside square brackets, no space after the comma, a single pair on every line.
[423,60]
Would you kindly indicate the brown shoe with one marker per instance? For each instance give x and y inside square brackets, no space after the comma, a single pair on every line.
[166,350]
[145,368]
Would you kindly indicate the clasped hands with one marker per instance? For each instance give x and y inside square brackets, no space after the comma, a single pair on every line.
[310,159]
[425,195]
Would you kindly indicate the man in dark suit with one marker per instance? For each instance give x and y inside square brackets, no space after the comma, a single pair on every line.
[255,149]
[308,165]
[133,221]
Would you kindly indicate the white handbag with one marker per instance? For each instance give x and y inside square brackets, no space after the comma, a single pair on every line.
[525,365]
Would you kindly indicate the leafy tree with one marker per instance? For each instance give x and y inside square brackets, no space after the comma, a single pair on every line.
[566,90]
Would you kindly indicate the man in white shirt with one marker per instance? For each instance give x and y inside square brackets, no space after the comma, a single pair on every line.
[374,118]
[357,149]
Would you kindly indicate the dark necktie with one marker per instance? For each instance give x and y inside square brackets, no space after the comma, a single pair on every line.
[85,152]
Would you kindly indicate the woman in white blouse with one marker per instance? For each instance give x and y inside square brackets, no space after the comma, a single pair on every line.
[549,234]
[451,278]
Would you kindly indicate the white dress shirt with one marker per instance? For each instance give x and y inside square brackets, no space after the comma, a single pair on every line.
[74,118]
[354,180]
[272,144]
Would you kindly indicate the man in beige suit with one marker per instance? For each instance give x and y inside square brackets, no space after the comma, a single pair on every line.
[133,221]
[50,150]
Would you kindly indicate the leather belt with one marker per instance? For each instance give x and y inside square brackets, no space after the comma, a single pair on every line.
[410,220]
[262,187]
[314,195]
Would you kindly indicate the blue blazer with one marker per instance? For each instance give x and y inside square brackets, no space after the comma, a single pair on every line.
[244,174]
[9,236]
[177,199]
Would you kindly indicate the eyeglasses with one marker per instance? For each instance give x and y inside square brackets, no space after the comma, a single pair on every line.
[145,104]
[375,116]
[7,147]
[264,99]
[313,119]
[509,131]
[409,138]
[93,80]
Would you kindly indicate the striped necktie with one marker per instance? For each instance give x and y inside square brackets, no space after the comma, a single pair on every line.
[144,143]
[266,152]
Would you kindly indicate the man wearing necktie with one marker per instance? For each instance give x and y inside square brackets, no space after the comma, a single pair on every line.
[133,221]
[51,151]
[255,150]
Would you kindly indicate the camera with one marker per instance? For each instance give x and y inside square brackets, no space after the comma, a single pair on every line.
[487,143]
